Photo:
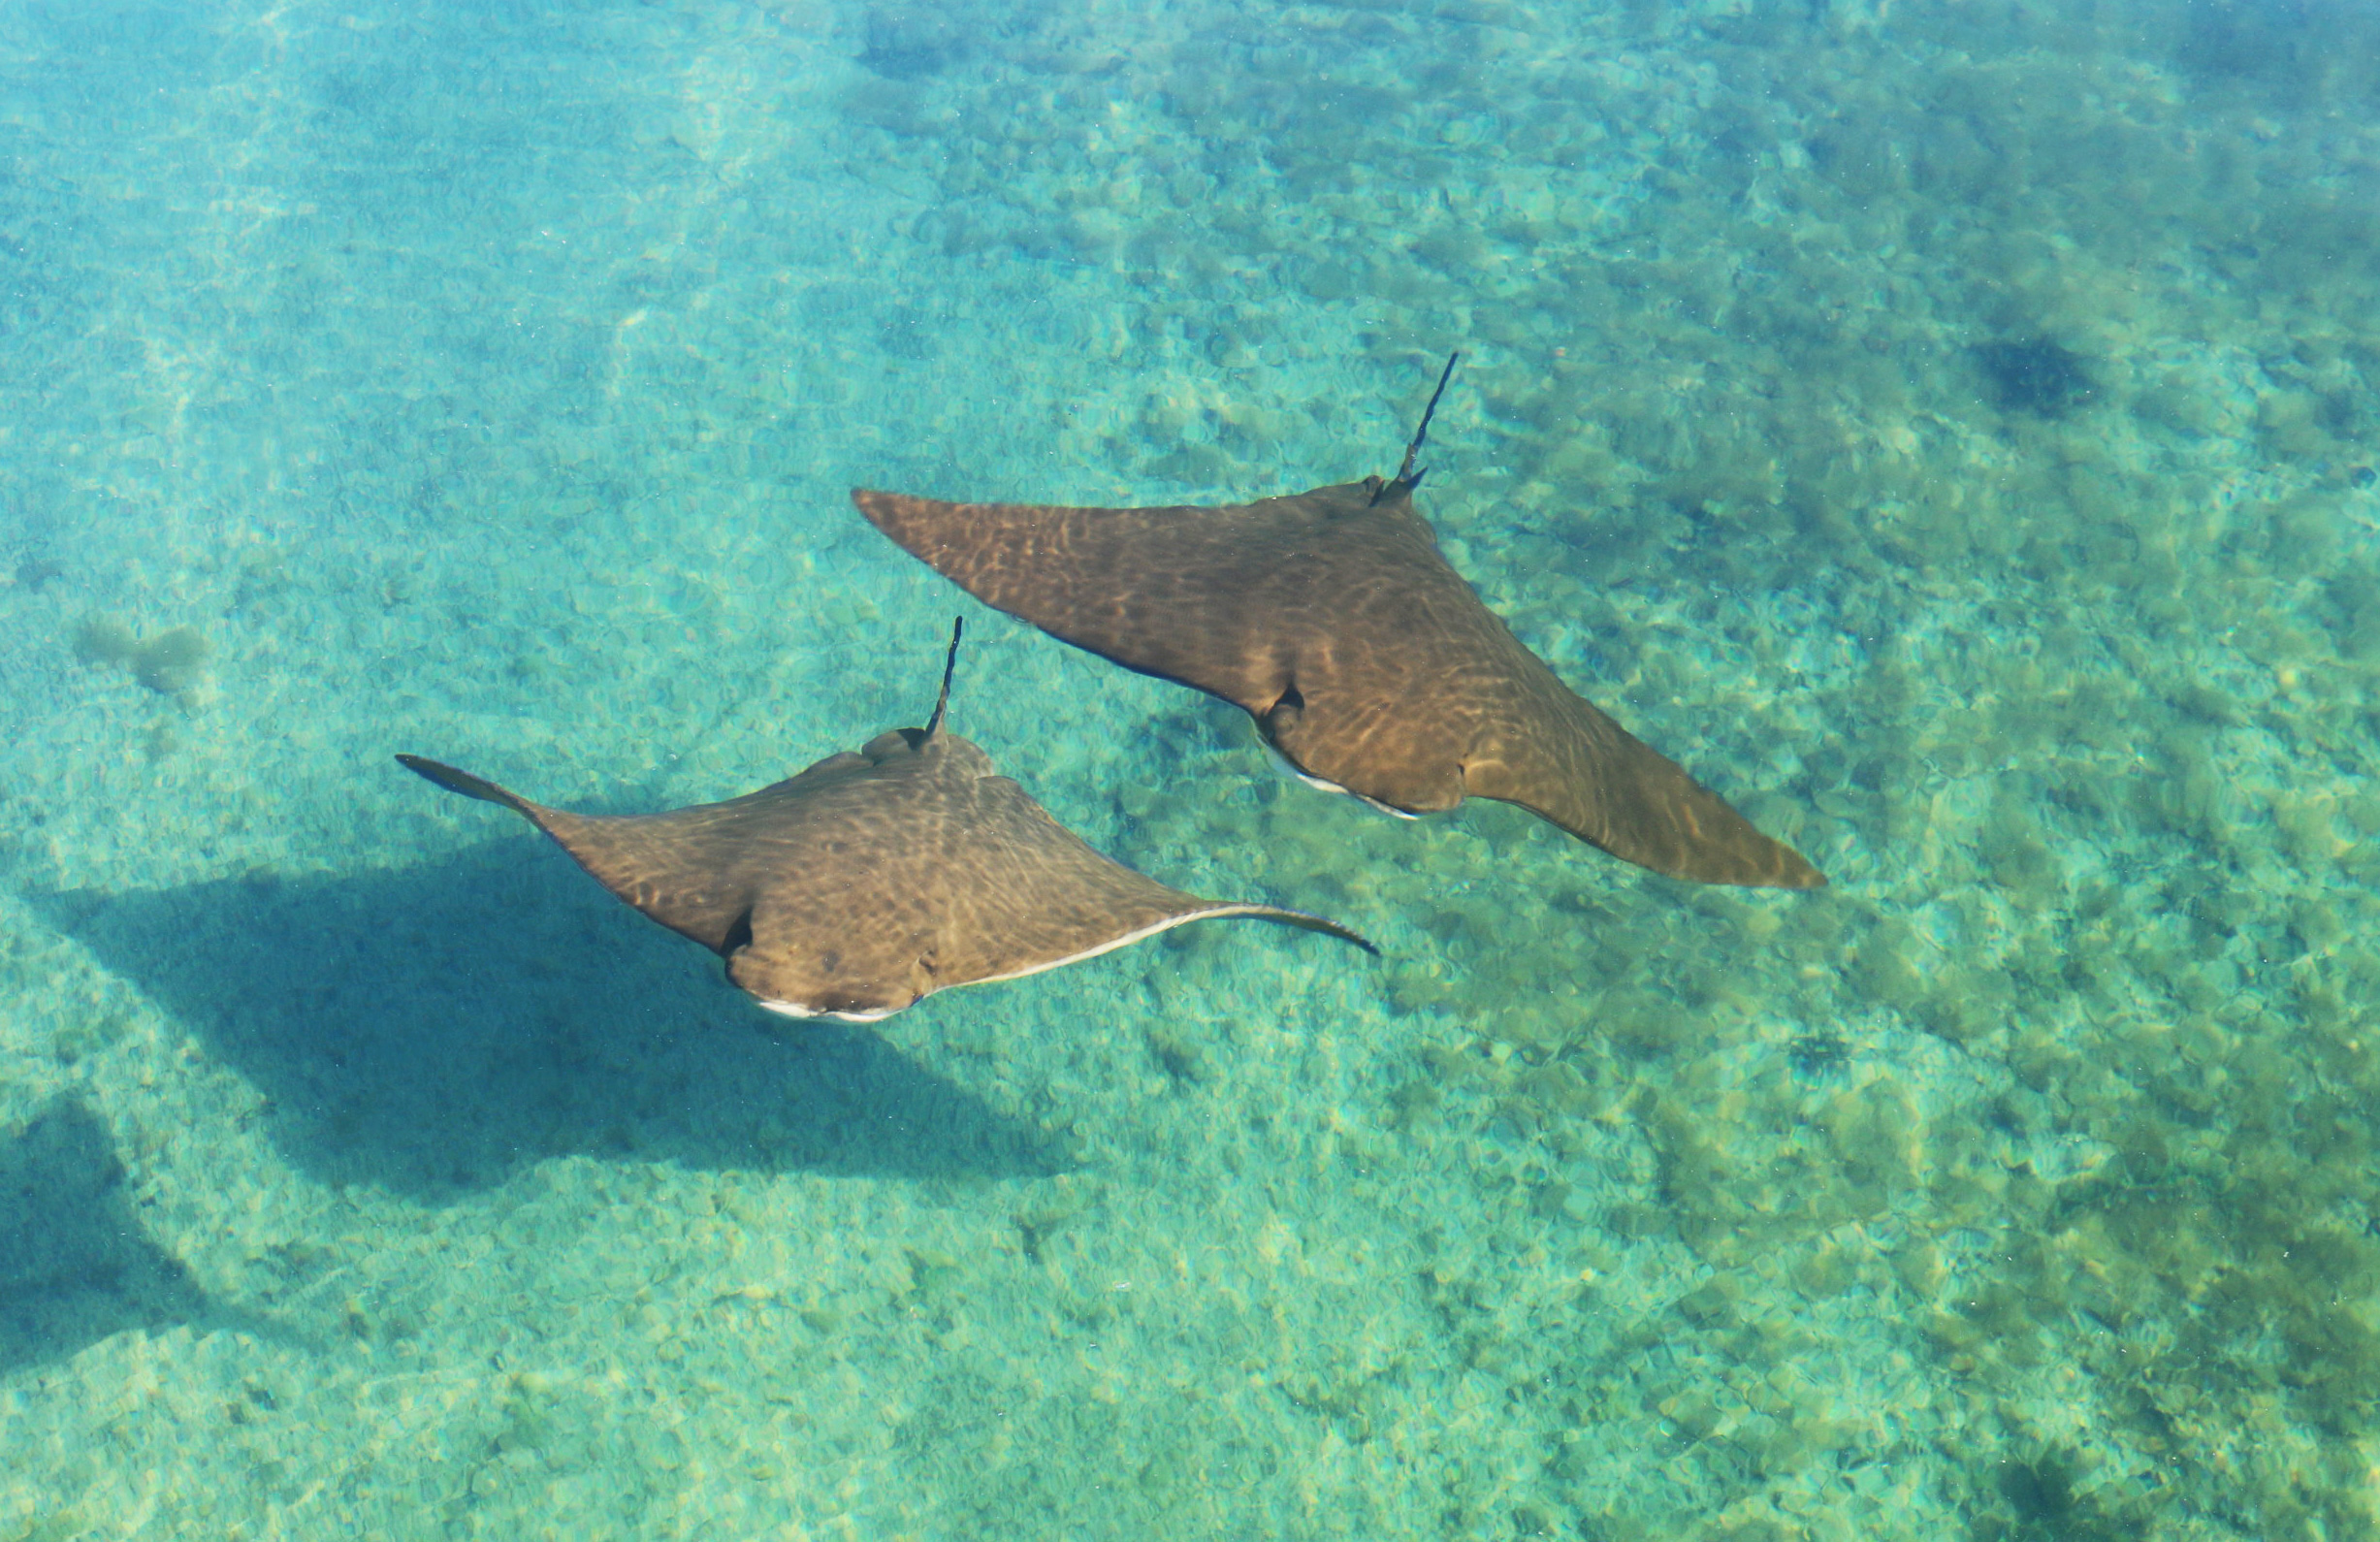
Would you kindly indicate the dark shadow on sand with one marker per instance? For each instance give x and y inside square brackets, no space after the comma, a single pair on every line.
[432,1029]
[75,1265]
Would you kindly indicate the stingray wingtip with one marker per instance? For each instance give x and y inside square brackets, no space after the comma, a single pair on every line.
[1786,871]
[463,782]
[1311,923]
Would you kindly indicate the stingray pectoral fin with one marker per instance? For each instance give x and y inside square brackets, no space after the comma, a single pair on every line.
[1288,918]
[470,786]
[1609,787]
[676,868]
[1404,773]
[1173,592]
[1195,911]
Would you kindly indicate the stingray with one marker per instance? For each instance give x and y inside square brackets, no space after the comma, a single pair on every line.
[871,880]
[1331,618]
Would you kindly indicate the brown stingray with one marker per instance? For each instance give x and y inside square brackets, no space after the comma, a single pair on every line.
[1333,618]
[871,880]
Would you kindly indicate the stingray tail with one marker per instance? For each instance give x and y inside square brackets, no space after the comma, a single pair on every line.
[470,786]
[1408,478]
[950,667]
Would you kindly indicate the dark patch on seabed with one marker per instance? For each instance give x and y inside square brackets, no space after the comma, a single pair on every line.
[2037,376]
[432,1029]
[75,1267]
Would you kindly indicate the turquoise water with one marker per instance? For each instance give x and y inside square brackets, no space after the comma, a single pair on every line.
[1947,428]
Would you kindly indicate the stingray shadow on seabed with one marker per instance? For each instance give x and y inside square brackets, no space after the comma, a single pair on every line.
[431,1029]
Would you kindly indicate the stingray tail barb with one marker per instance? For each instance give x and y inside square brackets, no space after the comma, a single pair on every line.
[950,667]
[470,786]
[1408,478]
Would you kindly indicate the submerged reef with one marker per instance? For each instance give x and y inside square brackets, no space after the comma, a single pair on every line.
[168,662]
[2036,375]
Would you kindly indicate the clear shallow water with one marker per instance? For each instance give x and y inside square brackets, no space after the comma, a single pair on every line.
[1946,429]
